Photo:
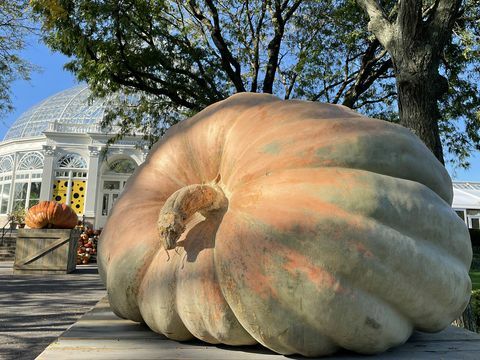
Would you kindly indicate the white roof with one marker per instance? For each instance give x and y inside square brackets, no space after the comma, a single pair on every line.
[466,195]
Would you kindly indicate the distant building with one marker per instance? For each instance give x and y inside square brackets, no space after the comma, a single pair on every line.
[54,151]
[466,202]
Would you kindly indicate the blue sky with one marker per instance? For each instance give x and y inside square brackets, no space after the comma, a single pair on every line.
[53,78]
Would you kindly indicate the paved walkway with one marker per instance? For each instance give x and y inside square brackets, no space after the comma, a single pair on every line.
[36,309]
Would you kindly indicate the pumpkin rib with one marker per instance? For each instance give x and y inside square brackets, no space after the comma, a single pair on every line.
[241,306]
[388,170]
[388,130]
[219,323]
[456,249]
[421,243]
[155,314]
[392,296]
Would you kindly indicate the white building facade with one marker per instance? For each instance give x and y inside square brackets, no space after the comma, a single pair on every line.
[57,150]
[466,202]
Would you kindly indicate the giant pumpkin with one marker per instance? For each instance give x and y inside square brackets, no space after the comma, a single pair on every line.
[305,227]
[50,214]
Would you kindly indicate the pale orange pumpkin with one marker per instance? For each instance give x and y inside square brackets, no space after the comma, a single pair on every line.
[305,227]
[50,214]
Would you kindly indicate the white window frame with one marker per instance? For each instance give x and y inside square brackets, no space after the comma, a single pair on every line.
[29,170]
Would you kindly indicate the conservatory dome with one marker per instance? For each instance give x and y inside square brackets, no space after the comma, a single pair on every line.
[71,108]
[58,150]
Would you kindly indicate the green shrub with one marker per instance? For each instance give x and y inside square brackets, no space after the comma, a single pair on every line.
[475,302]
[476,259]
[475,236]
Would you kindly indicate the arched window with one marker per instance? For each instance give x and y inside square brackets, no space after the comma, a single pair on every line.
[72,161]
[31,161]
[6,164]
[28,180]
[122,166]
[114,177]
[70,181]
[6,168]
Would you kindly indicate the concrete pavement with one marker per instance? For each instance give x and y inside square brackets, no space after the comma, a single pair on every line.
[36,309]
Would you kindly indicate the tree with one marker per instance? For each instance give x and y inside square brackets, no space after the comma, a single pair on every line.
[176,57]
[171,58]
[415,40]
[14,27]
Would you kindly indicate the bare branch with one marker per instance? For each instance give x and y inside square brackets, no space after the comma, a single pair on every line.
[230,64]
[374,101]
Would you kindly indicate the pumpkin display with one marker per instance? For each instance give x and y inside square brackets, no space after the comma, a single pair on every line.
[87,246]
[50,214]
[304,227]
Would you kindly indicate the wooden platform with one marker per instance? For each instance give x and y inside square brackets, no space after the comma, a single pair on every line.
[99,334]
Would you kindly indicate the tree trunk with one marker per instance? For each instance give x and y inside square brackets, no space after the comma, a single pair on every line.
[418,97]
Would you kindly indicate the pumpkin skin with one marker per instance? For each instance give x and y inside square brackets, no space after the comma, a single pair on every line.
[332,231]
[50,214]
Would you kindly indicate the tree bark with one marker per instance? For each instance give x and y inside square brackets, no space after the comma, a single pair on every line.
[418,97]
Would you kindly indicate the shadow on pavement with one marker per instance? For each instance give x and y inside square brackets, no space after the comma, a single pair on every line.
[36,309]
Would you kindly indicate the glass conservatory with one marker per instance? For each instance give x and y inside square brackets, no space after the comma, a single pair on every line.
[55,151]
[466,202]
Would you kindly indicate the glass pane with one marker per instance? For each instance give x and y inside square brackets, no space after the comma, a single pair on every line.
[474,212]
[105,205]
[461,214]
[114,197]
[111,185]
[20,195]
[33,202]
[35,191]
[18,204]
[5,197]
[475,223]
[122,166]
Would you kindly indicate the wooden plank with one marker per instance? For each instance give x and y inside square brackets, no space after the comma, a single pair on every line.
[44,233]
[100,334]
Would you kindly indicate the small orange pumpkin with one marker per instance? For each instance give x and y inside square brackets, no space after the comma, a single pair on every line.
[50,214]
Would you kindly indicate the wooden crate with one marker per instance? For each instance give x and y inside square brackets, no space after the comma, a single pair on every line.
[46,251]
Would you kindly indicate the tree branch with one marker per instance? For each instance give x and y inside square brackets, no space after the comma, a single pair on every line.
[379,24]
[443,19]
[273,47]
[229,63]
[256,46]
[409,19]
[367,73]
[374,101]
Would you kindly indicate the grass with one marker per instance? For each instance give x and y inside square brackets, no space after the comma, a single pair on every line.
[475,276]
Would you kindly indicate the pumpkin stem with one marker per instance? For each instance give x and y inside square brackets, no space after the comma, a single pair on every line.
[184,203]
